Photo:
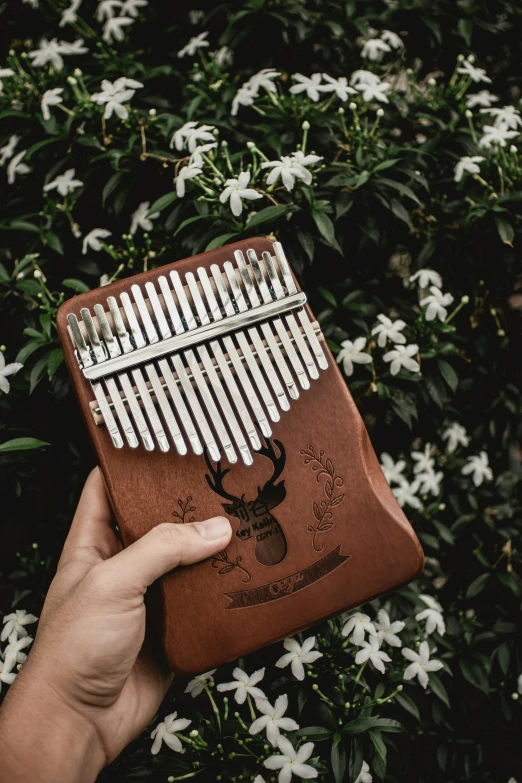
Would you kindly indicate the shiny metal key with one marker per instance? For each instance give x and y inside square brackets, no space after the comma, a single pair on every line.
[228,377]
[79,343]
[121,331]
[322,361]
[302,346]
[249,357]
[99,351]
[253,333]
[107,415]
[230,417]
[193,363]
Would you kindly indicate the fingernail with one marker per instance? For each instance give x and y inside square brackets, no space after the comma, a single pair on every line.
[213,528]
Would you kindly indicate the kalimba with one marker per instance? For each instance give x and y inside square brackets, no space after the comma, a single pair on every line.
[208,388]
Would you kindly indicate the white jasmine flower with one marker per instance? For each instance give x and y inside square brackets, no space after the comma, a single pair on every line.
[292,762]
[423,459]
[297,655]
[421,664]
[32,3]
[198,42]
[389,330]
[197,685]
[506,117]
[467,164]
[434,621]
[370,651]
[47,52]
[474,73]
[4,74]
[181,135]
[132,7]
[76,47]
[494,135]
[114,95]
[374,92]
[272,719]
[308,84]
[5,371]
[196,16]
[223,56]
[361,76]
[166,732]
[244,684]
[305,160]
[16,621]
[405,495]
[482,98]
[456,436]
[189,135]
[263,78]
[352,352]
[288,169]
[196,157]
[140,218]
[392,39]
[393,471]
[107,9]
[386,630]
[427,277]
[187,172]
[113,29]
[358,624]
[69,16]
[364,775]
[479,467]
[16,167]
[50,98]
[7,151]
[244,97]
[339,86]
[236,190]
[16,646]
[6,673]
[431,602]
[430,482]
[374,48]
[436,304]
[92,239]
[64,183]
[402,356]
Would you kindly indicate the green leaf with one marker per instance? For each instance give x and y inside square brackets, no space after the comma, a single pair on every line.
[55,359]
[21,225]
[317,732]
[477,585]
[400,187]
[505,230]
[111,184]
[338,760]
[475,674]
[378,744]
[386,164]
[220,241]
[326,294]
[401,212]
[362,179]
[162,202]
[22,444]
[449,374]
[37,373]
[326,228]
[29,348]
[75,285]
[54,241]
[268,213]
[190,220]
[360,725]
[465,27]
[408,704]
[438,689]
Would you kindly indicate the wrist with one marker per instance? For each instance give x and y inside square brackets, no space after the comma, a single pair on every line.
[43,739]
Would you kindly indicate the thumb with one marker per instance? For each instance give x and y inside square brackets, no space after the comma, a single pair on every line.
[163,548]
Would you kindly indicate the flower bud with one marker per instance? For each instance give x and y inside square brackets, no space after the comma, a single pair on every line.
[194,733]
[400,688]
[250,145]
[340,110]
[513,149]
[432,82]
[152,112]
[78,72]
[460,57]
[501,333]
[71,80]
[465,299]
[352,106]
[315,687]
[305,125]
[37,273]
[442,506]
[34,546]
[468,113]
[471,58]
[514,696]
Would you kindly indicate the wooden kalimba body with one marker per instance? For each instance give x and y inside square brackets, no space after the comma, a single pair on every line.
[208,389]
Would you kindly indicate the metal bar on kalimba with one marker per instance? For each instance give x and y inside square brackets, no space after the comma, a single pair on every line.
[114,350]
[271,342]
[121,331]
[245,350]
[267,365]
[277,322]
[322,361]
[193,363]
[80,345]
[230,381]
[299,340]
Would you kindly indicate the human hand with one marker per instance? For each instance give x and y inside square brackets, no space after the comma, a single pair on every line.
[91,683]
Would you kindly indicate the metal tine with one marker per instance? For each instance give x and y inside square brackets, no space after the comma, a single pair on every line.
[272,343]
[107,414]
[100,354]
[146,320]
[321,359]
[193,363]
[79,341]
[277,322]
[230,416]
[195,406]
[247,353]
[115,350]
[121,331]
[139,342]
[150,369]
[230,381]
[301,343]
[237,293]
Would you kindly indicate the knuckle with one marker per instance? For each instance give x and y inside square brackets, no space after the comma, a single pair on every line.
[169,534]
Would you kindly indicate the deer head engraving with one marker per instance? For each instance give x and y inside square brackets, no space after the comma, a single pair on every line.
[254,515]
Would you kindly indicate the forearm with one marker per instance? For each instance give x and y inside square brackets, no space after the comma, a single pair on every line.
[43,740]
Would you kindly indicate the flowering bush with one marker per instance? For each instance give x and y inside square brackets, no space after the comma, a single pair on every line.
[379,143]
